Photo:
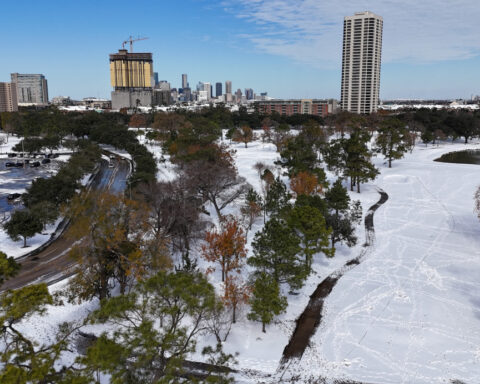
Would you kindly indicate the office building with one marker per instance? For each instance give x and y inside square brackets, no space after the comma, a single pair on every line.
[162,97]
[32,89]
[228,87]
[8,97]
[361,62]
[184,81]
[249,93]
[238,95]
[292,107]
[155,79]
[131,76]
[218,89]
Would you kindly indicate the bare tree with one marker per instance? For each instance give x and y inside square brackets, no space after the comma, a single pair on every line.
[217,183]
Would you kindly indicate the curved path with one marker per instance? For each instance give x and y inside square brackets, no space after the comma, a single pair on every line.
[310,319]
[50,263]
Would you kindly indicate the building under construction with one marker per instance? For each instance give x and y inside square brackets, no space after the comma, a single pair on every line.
[131,76]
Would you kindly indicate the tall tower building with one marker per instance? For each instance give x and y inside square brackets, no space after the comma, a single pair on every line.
[218,89]
[228,87]
[361,62]
[131,76]
[8,97]
[31,89]
[184,81]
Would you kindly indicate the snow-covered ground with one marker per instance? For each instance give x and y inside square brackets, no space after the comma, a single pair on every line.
[410,313]
[18,185]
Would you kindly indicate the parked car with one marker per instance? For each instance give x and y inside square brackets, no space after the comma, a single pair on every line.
[12,155]
[13,196]
[19,164]
[55,155]
[46,161]
[9,164]
[26,161]
[35,164]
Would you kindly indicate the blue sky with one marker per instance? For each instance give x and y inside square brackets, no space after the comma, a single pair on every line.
[290,48]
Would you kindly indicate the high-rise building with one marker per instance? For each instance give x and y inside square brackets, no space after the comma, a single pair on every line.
[218,89]
[362,55]
[228,87]
[8,97]
[31,89]
[184,81]
[155,79]
[131,76]
[249,93]
[238,95]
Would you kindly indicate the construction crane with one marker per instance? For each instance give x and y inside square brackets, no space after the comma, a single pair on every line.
[131,40]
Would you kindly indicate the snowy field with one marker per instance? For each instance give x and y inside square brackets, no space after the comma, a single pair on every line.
[410,313]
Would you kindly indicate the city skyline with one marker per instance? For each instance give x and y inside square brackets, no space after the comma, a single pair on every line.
[267,46]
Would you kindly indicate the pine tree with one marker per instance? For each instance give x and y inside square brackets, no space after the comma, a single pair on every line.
[157,325]
[266,301]
[310,226]
[277,251]
[342,215]
[8,267]
[277,199]
[24,359]
[392,140]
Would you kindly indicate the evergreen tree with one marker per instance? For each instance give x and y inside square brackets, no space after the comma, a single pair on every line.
[266,301]
[392,140]
[342,215]
[309,224]
[8,267]
[298,156]
[23,359]
[277,198]
[276,251]
[157,325]
[23,224]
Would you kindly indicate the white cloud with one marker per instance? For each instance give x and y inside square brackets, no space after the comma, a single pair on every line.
[310,31]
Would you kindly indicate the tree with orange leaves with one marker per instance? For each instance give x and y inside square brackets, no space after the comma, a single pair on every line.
[236,293]
[138,121]
[244,134]
[305,183]
[113,245]
[226,247]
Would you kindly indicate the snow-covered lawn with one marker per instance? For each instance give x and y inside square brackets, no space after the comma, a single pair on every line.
[410,313]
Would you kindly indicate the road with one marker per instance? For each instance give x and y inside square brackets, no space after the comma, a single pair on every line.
[52,263]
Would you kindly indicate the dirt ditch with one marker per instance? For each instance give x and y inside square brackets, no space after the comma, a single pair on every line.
[310,319]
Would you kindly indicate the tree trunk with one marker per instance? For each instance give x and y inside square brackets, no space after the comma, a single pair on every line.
[358,186]
[234,320]
[24,241]
[263,327]
[389,163]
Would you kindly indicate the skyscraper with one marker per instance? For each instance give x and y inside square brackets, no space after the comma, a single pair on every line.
[31,89]
[362,55]
[184,81]
[8,97]
[218,89]
[131,76]
[228,87]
